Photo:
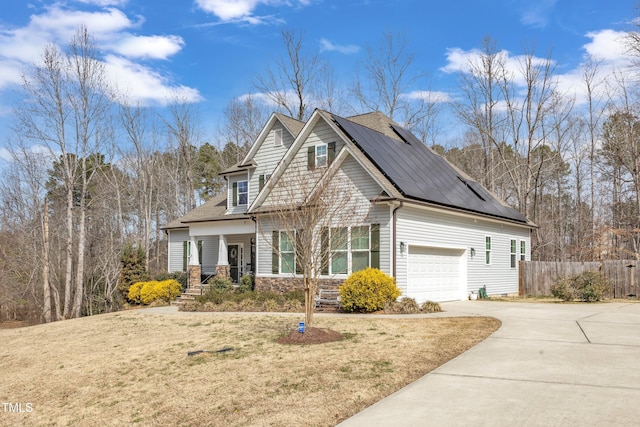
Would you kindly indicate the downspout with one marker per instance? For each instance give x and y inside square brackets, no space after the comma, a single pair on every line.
[393,214]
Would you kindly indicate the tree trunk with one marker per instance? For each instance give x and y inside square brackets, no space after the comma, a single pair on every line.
[68,253]
[45,264]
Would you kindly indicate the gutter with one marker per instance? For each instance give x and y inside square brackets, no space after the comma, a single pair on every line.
[393,214]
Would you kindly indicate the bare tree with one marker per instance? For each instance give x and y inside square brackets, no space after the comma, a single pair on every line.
[65,107]
[291,84]
[307,215]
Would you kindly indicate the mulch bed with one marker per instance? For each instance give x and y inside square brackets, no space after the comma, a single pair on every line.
[311,336]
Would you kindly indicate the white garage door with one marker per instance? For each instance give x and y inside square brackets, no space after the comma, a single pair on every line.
[435,274]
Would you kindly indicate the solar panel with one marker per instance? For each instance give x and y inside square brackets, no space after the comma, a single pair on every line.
[419,173]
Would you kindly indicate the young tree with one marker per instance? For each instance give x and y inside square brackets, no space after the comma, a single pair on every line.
[305,217]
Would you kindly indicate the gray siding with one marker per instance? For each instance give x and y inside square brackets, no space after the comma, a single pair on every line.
[360,188]
[268,157]
[176,239]
[422,227]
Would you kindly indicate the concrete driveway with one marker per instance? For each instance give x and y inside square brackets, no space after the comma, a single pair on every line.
[548,365]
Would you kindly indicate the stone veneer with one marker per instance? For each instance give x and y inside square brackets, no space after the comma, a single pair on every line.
[285,284]
[195,275]
[223,271]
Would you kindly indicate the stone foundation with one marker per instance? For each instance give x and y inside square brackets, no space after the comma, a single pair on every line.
[195,275]
[286,284]
[223,271]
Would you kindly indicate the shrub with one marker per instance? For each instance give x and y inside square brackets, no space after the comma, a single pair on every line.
[134,292]
[588,286]
[562,290]
[181,277]
[405,306]
[430,307]
[246,283]
[148,292]
[367,290]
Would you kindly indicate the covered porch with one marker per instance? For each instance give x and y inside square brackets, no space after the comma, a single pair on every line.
[225,248]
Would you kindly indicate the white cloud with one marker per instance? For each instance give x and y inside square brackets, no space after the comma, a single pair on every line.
[22,47]
[242,11]
[327,46]
[607,45]
[156,47]
[144,85]
[429,96]
[463,61]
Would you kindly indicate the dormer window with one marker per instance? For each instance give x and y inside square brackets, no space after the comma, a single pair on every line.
[240,193]
[277,137]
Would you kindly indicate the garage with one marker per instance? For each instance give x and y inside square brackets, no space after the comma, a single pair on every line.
[435,274]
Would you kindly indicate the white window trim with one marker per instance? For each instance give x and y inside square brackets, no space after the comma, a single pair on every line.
[488,251]
[349,250]
[523,255]
[247,193]
[280,252]
[325,156]
[513,253]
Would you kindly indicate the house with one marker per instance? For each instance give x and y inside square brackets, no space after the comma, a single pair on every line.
[416,216]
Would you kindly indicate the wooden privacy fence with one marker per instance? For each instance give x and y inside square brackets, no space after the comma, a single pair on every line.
[536,277]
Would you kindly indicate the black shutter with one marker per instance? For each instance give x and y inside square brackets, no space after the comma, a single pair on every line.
[200,252]
[324,247]
[235,194]
[331,152]
[185,250]
[298,250]
[260,182]
[275,258]
[311,158]
[375,246]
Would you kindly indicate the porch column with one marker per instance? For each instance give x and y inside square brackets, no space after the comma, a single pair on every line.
[222,267]
[194,269]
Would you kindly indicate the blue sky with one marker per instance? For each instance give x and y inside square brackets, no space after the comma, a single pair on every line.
[208,51]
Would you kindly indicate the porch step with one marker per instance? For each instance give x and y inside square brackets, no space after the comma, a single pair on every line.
[189,294]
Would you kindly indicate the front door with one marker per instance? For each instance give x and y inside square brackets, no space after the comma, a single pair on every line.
[235,261]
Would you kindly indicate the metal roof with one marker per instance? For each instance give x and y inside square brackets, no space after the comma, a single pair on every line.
[420,174]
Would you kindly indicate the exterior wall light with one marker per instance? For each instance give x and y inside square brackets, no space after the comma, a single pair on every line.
[403,247]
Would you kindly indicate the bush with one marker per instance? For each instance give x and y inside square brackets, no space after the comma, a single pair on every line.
[405,306]
[132,268]
[562,290]
[148,292]
[588,286]
[368,290]
[430,307]
[246,283]
[180,277]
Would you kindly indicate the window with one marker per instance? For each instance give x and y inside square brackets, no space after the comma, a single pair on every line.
[339,255]
[277,137]
[487,250]
[359,248]
[353,249]
[343,249]
[523,250]
[240,194]
[287,254]
[514,248]
[321,155]
[243,192]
